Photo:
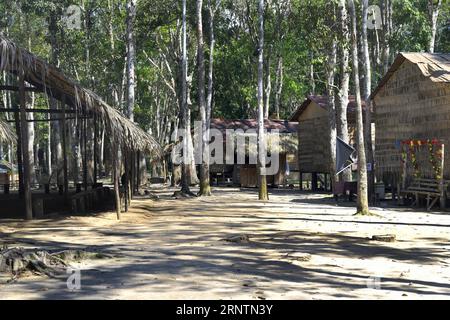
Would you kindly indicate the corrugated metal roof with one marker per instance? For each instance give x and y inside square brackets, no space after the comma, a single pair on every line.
[434,66]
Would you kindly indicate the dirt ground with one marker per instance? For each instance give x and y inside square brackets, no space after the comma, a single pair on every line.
[302,246]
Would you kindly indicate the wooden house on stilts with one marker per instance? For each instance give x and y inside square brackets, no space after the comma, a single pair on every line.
[314,157]
[412,111]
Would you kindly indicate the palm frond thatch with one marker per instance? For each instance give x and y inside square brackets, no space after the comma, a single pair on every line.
[54,83]
[6,133]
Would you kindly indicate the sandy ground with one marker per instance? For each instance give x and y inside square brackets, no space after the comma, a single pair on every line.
[174,249]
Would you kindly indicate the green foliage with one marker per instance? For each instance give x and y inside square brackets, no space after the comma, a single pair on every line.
[300,31]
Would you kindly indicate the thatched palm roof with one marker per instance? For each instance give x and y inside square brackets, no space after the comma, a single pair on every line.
[51,80]
[434,66]
[6,133]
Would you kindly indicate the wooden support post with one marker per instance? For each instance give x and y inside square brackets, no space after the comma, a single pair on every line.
[314,181]
[127,179]
[301,180]
[138,171]
[64,148]
[95,149]
[116,174]
[25,154]
[443,201]
[133,173]
[84,126]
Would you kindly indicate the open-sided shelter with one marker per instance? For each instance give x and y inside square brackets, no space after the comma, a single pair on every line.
[33,74]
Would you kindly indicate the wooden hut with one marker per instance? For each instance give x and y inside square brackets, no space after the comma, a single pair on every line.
[314,159]
[33,74]
[245,175]
[412,106]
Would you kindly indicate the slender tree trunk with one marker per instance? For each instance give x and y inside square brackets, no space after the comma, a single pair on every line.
[367,90]
[342,123]
[184,105]
[278,85]
[268,89]
[262,178]
[433,9]
[387,31]
[55,127]
[205,189]
[331,72]
[362,202]
[209,97]
[312,81]
[131,58]
[31,137]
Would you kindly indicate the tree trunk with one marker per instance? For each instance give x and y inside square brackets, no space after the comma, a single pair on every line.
[262,179]
[387,32]
[434,15]
[131,58]
[331,72]
[55,127]
[312,81]
[362,202]
[367,90]
[342,124]
[205,188]
[278,85]
[184,105]
[268,89]
[31,137]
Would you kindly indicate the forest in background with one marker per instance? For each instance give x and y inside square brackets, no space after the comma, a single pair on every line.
[297,40]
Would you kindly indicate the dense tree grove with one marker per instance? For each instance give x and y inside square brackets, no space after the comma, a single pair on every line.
[130,52]
[296,40]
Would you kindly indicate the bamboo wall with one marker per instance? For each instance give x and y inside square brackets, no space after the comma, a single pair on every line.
[409,106]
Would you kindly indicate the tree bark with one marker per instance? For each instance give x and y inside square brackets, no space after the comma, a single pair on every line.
[184,105]
[262,179]
[268,88]
[278,85]
[342,123]
[131,58]
[331,72]
[205,188]
[387,32]
[367,90]
[433,9]
[362,202]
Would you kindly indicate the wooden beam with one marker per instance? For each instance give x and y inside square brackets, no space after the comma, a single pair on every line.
[55,119]
[25,154]
[16,110]
[14,88]
[64,149]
